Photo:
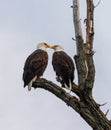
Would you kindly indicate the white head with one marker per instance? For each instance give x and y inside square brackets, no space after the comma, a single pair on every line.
[43,46]
[57,48]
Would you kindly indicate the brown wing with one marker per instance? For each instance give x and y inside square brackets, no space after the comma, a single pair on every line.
[35,65]
[63,66]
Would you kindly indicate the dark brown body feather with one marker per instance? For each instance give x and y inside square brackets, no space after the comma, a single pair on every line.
[35,65]
[63,66]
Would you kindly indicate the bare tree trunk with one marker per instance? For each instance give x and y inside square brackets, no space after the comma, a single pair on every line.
[84,105]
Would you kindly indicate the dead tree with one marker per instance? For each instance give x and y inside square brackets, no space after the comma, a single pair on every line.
[84,103]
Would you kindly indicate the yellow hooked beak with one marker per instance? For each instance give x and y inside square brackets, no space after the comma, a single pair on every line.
[47,45]
[53,47]
[57,47]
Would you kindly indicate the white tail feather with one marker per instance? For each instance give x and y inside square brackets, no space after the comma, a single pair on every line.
[68,87]
[31,82]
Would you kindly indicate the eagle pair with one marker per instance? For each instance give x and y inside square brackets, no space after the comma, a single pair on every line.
[36,64]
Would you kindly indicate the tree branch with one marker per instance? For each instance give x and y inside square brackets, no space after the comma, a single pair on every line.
[89,46]
[88,109]
[91,72]
[80,58]
[70,100]
[76,19]
[89,26]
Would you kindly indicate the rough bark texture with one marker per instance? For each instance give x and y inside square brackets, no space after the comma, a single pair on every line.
[88,109]
[83,103]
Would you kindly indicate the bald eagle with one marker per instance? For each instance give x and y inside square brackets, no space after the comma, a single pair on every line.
[63,66]
[35,65]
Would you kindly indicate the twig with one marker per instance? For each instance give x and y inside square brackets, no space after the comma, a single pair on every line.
[73,39]
[107,112]
[104,104]
[97,4]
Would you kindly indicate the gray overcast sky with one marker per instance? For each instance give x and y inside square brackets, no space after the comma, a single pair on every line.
[24,23]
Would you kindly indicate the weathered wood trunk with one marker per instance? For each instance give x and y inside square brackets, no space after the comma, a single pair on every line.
[83,103]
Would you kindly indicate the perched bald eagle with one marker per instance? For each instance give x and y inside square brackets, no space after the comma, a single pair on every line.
[35,65]
[63,66]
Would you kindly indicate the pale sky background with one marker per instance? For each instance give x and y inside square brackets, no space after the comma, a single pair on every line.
[24,23]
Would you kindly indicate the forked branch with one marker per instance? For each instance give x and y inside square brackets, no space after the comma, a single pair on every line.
[89,110]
